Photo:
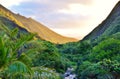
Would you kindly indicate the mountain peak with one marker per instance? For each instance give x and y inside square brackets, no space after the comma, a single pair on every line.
[3,8]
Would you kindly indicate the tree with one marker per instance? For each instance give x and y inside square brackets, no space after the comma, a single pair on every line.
[108,48]
[11,65]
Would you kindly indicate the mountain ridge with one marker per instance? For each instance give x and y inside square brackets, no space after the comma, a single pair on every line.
[109,22]
[33,26]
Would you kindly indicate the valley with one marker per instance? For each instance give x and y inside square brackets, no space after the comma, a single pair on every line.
[30,50]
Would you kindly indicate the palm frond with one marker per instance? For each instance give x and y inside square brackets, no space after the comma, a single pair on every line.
[22,40]
[3,53]
[19,67]
[25,59]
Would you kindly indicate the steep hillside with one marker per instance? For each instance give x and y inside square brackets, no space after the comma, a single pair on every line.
[43,31]
[110,25]
[6,23]
[35,27]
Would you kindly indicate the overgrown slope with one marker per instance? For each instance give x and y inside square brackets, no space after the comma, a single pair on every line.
[97,56]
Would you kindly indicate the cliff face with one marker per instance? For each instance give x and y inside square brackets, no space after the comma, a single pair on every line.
[110,25]
[33,26]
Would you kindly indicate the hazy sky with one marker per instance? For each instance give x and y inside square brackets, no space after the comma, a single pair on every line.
[73,18]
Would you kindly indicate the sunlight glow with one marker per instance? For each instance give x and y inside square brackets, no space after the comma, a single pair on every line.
[76,9]
[9,3]
[97,12]
[83,17]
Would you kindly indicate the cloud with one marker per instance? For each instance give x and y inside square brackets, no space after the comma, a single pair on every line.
[68,17]
[9,3]
[53,2]
[76,9]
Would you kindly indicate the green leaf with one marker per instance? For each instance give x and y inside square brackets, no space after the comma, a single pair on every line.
[18,67]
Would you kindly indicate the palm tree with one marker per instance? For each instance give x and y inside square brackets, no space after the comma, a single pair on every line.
[12,62]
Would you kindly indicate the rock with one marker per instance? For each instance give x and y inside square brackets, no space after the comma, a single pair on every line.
[69,75]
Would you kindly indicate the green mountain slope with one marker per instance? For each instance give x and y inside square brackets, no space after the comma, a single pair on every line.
[97,56]
[35,27]
[6,23]
[110,25]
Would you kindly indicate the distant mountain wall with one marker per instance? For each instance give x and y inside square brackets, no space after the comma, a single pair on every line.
[110,25]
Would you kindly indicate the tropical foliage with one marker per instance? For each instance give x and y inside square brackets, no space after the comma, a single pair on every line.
[98,59]
[25,56]
[18,56]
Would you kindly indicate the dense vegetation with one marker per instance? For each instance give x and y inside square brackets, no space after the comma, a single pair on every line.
[25,56]
[95,59]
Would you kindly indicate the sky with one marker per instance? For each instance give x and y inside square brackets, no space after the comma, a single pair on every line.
[72,18]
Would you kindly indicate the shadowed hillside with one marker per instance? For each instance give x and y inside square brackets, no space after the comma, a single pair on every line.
[110,25]
[35,27]
[97,56]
